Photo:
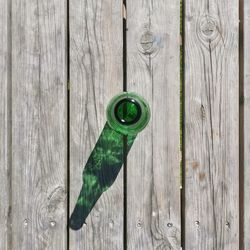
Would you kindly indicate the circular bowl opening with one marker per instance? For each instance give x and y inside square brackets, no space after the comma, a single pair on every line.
[128,113]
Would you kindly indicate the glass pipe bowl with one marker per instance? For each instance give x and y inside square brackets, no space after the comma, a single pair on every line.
[128,113]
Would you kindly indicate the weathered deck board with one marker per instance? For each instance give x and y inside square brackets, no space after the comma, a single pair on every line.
[211,125]
[4,124]
[96,74]
[246,54]
[153,166]
[39,147]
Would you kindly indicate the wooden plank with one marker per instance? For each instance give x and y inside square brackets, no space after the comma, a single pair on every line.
[153,166]
[39,91]
[4,125]
[211,125]
[96,74]
[246,90]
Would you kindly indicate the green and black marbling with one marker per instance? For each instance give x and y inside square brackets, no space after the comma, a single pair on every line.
[127,115]
[100,171]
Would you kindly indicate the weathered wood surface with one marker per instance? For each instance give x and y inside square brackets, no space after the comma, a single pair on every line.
[4,125]
[39,146]
[33,123]
[246,120]
[211,125]
[96,75]
[153,166]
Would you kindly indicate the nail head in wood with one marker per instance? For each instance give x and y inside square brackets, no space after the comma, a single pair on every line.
[25,223]
[52,223]
[139,224]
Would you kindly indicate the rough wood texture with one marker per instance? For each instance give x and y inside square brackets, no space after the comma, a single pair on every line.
[39,212]
[211,125]
[246,175]
[4,124]
[153,167]
[96,74]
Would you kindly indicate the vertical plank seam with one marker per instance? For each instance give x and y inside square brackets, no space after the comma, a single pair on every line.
[241,125]
[182,105]
[124,46]
[9,123]
[68,118]
[124,6]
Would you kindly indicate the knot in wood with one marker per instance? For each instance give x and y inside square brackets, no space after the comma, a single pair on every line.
[147,42]
[208,30]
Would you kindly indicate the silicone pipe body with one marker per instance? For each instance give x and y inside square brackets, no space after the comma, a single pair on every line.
[127,115]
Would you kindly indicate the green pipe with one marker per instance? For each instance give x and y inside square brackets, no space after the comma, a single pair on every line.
[127,115]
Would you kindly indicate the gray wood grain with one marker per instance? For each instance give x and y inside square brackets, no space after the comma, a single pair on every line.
[211,125]
[153,166]
[246,56]
[96,74]
[39,147]
[5,128]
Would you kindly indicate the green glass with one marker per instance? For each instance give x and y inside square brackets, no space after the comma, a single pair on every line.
[127,114]
[127,111]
